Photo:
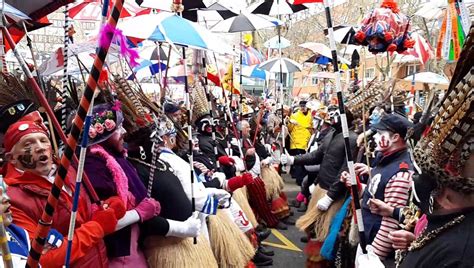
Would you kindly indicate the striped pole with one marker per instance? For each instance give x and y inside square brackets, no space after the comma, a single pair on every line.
[46,219]
[190,134]
[345,129]
[2,55]
[77,188]
[209,103]
[64,92]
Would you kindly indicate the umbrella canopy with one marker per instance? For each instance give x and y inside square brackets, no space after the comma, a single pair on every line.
[287,65]
[275,8]
[318,48]
[343,34]
[428,78]
[168,27]
[429,11]
[37,9]
[245,23]
[274,44]
[318,59]
[14,14]
[190,7]
[223,11]
[254,72]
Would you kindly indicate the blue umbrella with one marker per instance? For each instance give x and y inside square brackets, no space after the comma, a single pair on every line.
[254,72]
[170,28]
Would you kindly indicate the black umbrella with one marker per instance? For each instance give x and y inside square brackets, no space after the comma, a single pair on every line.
[343,34]
[190,7]
[224,12]
[275,8]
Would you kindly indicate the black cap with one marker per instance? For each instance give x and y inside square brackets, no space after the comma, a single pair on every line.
[395,123]
[303,102]
[171,108]
[11,113]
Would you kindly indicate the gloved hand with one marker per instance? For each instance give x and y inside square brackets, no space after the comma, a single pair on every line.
[220,176]
[368,260]
[239,181]
[222,196]
[324,203]
[188,228]
[311,188]
[148,208]
[267,161]
[226,160]
[106,219]
[117,205]
[54,238]
[287,159]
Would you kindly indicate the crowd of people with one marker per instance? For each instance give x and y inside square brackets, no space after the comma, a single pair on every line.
[169,200]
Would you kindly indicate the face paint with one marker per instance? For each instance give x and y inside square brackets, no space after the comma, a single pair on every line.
[27,159]
[375,116]
[385,141]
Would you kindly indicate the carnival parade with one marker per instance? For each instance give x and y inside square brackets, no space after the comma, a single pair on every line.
[237,133]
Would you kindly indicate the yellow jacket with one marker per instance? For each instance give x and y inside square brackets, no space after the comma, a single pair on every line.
[300,133]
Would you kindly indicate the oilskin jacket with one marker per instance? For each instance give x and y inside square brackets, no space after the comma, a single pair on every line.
[300,133]
[28,193]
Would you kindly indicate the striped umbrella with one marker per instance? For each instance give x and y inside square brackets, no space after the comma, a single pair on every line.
[277,42]
[170,28]
[246,22]
[254,72]
[275,8]
[147,68]
[287,65]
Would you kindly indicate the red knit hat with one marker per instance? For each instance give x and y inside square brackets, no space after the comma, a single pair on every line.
[16,131]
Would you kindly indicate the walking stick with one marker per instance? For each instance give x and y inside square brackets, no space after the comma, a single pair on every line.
[65,75]
[190,135]
[345,129]
[46,219]
[77,188]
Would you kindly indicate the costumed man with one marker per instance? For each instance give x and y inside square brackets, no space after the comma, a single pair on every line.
[300,126]
[167,241]
[256,190]
[390,182]
[29,175]
[207,200]
[445,187]
[325,201]
[114,175]
[17,238]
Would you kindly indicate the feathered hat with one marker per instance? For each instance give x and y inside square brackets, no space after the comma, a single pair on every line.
[446,146]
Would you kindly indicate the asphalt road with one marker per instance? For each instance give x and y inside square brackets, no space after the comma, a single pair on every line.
[286,243]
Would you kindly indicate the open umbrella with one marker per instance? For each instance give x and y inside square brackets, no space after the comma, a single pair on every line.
[245,22]
[171,28]
[273,42]
[343,34]
[254,72]
[37,9]
[428,78]
[190,7]
[275,8]
[147,68]
[223,11]
[14,14]
[317,48]
[328,75]
[287,65]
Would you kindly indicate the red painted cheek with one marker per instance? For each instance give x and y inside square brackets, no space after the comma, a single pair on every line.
[383,142]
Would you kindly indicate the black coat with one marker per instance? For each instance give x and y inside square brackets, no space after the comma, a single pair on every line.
[331,156]
[453,248]
[206,145]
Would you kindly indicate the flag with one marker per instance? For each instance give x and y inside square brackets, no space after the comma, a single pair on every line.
[54,64]
[228,81]
[298,2]
[422,49]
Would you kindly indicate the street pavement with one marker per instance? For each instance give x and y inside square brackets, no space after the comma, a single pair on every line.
[286,243]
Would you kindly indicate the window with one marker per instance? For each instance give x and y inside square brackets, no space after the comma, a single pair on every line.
[413,69]
[370,73]
[314,81]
